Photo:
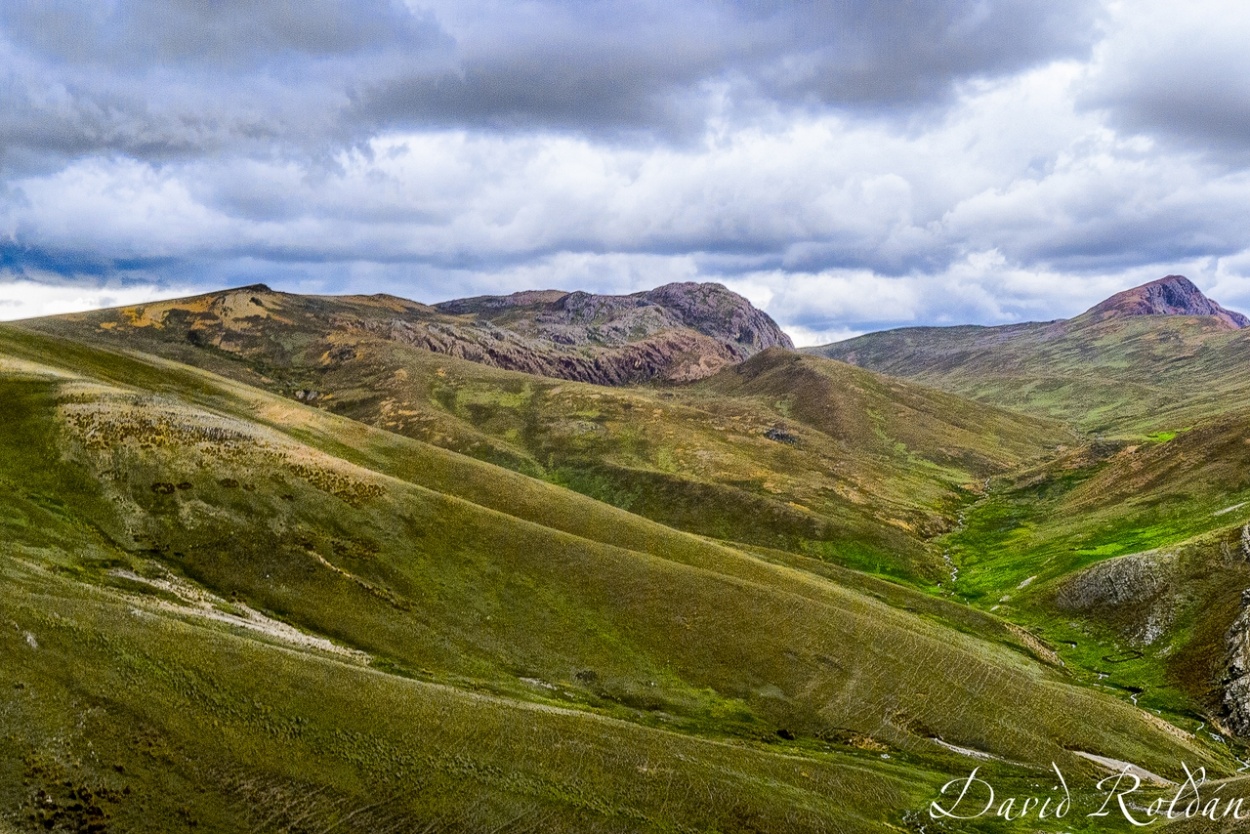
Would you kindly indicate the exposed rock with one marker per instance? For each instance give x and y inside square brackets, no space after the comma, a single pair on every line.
[781,436]
[580,318]
[1173,295]
[677,333]
[1237,675]
[1130,590]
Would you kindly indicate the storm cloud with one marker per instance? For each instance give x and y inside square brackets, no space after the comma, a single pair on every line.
[847,165]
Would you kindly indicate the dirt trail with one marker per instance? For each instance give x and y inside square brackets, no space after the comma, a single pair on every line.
[197,602]
[1117,766]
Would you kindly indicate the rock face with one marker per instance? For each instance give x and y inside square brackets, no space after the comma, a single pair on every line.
[1131,590]
[1237,675]
[1173,295]
[579,319]
[677,332]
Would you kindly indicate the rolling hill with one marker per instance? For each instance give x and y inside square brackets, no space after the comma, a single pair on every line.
[352,612]
[1154,358]
[269,564]
[779,451]
[1124,551]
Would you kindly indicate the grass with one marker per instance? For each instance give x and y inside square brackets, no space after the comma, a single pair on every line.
[726,606]
[522,637]
[1024,544]
[145,723]
[1123,377]
[869,471]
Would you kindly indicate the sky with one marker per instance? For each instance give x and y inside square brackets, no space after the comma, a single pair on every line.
[846,165]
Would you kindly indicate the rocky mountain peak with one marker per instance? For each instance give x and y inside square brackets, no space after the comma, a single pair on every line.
[578,318]
[1173,295]
[711,309]
[716,311]
[674,333]
[678,332]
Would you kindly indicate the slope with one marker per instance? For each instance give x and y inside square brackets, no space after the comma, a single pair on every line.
[1130,559]
[678,332]
[760,469]
[1110,370]
[165,530]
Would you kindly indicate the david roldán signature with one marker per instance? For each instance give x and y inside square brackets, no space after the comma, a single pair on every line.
[974,798]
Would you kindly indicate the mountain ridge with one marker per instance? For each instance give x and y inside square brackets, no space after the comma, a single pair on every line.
[1150,358]
[810,567]
[678,332]
[485,616]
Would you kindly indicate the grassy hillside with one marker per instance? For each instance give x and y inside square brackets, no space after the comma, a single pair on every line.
[781,451]
[225,610]
[1127,558]
[800,594]
[1126,377]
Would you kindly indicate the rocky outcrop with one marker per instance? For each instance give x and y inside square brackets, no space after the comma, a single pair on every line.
[578,319]
[666,355]
[1173,295]
[1131,592]
[677,333]
[1237,675]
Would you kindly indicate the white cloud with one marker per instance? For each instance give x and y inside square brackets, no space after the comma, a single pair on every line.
[1022,196]
[806,337]
[22,298]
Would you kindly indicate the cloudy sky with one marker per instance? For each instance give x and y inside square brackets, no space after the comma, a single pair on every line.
[847,165]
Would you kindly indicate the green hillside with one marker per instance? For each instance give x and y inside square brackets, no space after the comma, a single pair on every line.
[227,610]
[1118,377]
[270,565]
[780,451]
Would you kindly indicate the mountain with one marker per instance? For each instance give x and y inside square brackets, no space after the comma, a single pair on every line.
[1154,358]
[1136,536]
[1172,295]
[782,451]
[268,564]
[678,332]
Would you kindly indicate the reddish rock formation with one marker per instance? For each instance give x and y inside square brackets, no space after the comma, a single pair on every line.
[677,332]
[1173,295]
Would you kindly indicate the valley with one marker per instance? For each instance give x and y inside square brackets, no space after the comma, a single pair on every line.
[273,562]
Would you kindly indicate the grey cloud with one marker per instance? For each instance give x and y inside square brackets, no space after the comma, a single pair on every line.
[863,52]
[42,126]
[567,91]
[162,79]
[1178,74]
[255,118]
[648,73]
[167,79]
[1187,103]
[1138,218]
[222,33]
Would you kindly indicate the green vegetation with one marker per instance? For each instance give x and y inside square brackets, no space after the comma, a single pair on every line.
[780,451]
[1122,377]
[795,595]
